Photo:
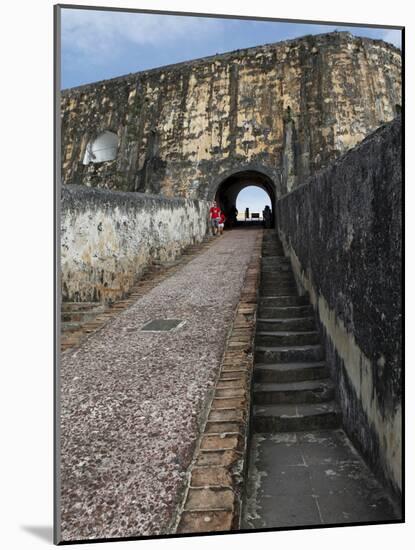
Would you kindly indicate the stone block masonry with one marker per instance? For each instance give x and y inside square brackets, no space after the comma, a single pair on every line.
[108,238]
[284,109]
[342,230]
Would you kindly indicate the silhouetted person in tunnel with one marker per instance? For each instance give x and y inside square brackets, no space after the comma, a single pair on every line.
[232,216]
[246,213]
[267,215]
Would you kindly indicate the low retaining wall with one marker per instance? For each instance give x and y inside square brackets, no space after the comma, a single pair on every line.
[342,230]
[109,238]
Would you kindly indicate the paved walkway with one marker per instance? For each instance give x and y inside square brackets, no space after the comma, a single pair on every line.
[311,478]
[131,401]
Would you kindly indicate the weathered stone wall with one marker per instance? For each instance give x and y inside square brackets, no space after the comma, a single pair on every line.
[285,109]
[108,239]
[342,230]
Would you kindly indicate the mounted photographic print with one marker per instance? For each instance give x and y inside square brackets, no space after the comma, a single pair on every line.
[229,274]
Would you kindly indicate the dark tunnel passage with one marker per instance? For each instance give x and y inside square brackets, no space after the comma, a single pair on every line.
[229,189]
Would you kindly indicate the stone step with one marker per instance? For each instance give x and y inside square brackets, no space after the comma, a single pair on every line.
[277,259]
[81,306]
[79,316]
[292,292]
[277,283]
[277,275]
[278,287]
[283,301]
[275,267]
[278,290]
[70,340]
[285,279]
[275,262]
[272,254]
[296,417]
[279,270]
[290,372]
[283,338]
[307,391]
[275,253]
[289,354]
[71,326]
[272,251]
[282,269]
[286,312]
[278,278]
[300,324]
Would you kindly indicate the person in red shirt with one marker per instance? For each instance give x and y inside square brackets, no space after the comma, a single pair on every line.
[222,219]
[214,213]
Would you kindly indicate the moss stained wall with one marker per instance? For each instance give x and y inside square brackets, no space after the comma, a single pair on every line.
[108,239]
[286,109]
[343,232]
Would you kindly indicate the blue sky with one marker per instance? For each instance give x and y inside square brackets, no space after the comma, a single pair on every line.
[253,198]
[102,44]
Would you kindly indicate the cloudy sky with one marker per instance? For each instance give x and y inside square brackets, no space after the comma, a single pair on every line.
[102,44]
[97,45]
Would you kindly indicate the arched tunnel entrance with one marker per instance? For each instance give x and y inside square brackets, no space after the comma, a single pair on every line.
[229,189]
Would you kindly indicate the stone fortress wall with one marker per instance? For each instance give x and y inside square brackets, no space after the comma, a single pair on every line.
[284,109]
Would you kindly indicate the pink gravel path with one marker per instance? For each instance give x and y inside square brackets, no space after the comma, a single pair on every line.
[131,402]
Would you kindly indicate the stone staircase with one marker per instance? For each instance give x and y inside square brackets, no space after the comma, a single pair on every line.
[302,468]
[292,389]
[75,314]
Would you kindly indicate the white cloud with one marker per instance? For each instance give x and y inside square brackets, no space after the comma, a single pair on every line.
[392,36]
[102,33]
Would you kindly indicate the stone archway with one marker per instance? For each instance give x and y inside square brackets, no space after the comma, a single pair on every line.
[229,189]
